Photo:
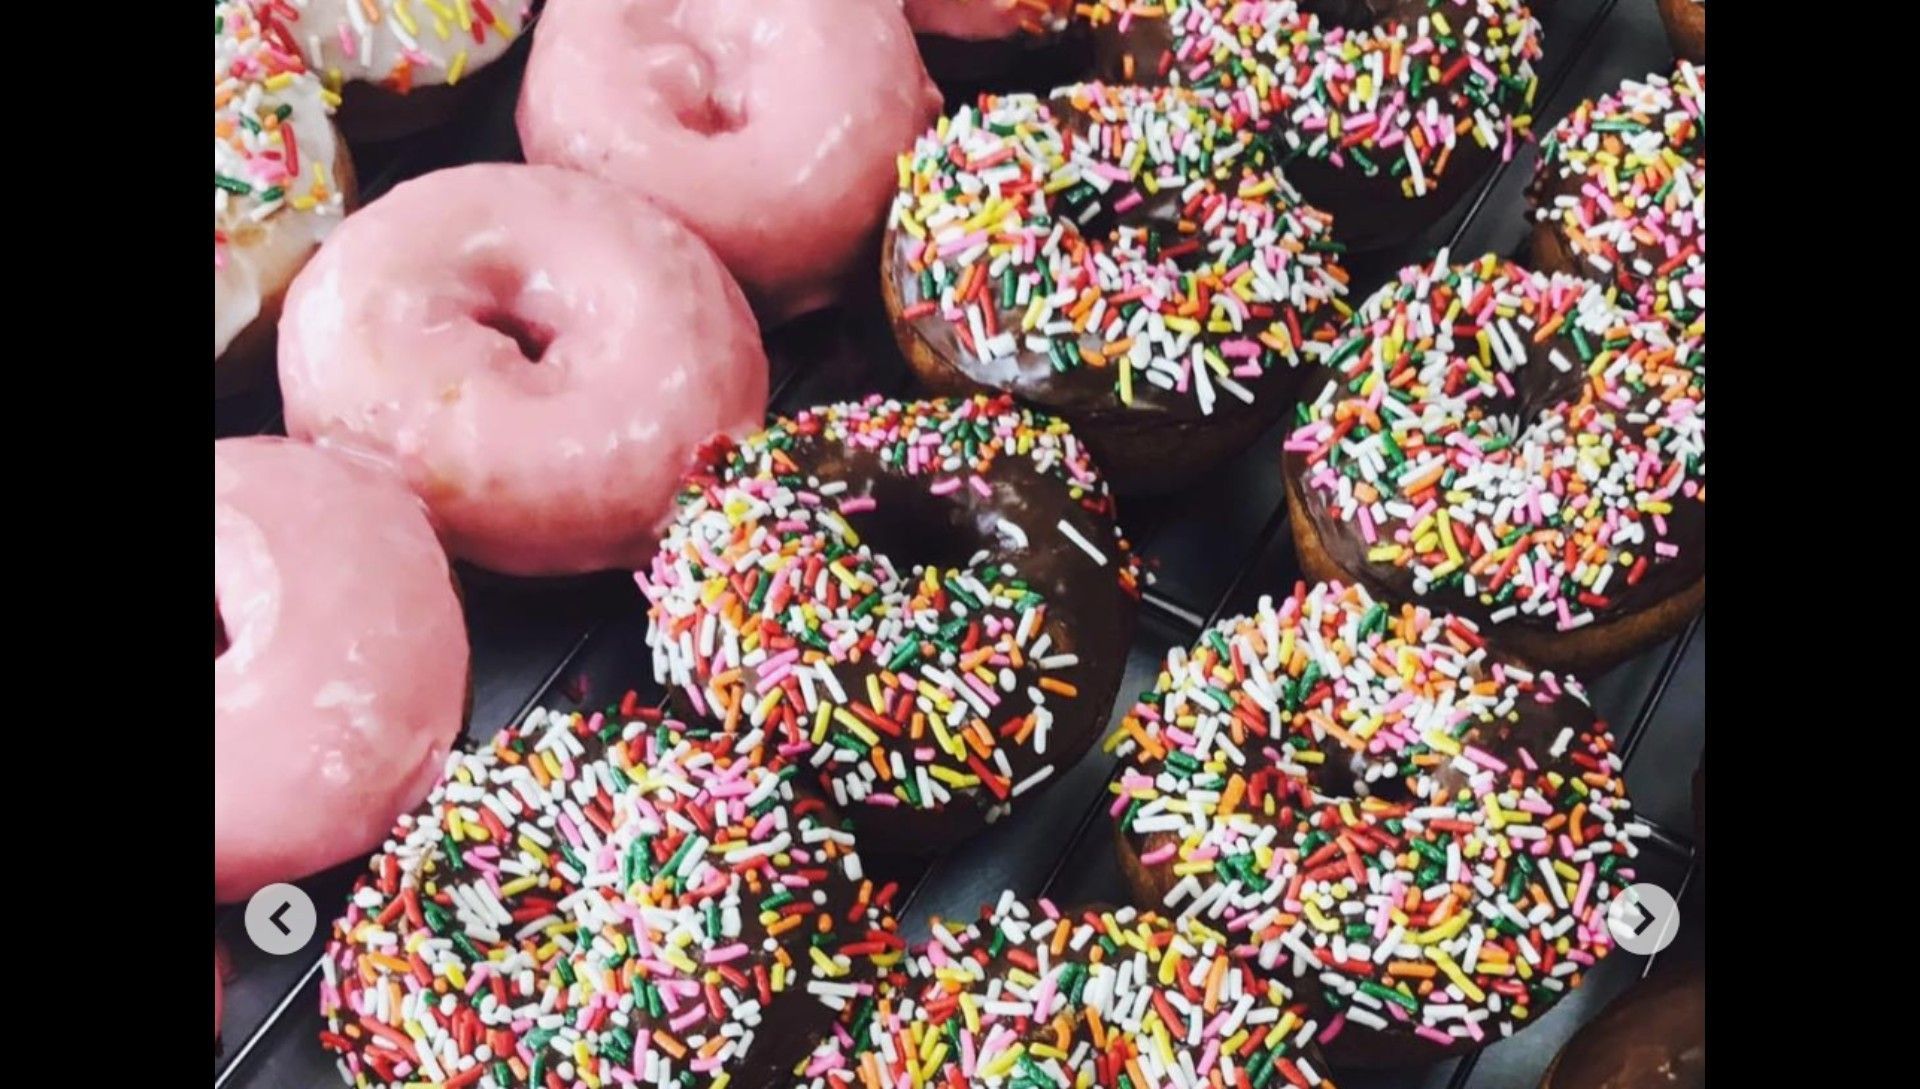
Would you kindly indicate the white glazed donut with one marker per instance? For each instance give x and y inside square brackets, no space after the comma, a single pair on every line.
[280,179]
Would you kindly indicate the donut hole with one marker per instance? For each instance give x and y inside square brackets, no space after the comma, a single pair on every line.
[1149,225]
[689,83]
[531,337]
[915,528]
[708,116]
[220,640]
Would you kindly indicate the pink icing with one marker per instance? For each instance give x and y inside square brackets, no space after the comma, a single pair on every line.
[340,660]
[983,20]
[771,127]
[399,339]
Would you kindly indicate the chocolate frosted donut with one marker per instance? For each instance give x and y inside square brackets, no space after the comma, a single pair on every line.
[1686,22]
[927,601]
[603,893]
[1512,447]
[1620,196]
[1034,997]
[1652,1037]
[1420,831]
[1125,257]
[1386,111]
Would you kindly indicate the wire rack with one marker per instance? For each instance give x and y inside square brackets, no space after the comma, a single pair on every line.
[1212,549]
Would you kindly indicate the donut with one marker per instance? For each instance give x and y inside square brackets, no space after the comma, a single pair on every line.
[405,65]
[1620,196]
[1654,1036]
[1386,112]
[1686,22]
[281,181]
[968,45]
[1125,257]
[603,899]
[1033,996]
[928,602]
[538,353]
[1420,831]
[339,660]
[1512,447]
[770,127]
[986,20]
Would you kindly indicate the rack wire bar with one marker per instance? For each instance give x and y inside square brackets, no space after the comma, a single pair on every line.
[586,646]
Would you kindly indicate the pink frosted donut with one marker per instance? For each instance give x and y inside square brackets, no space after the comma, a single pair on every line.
[769,126]
[339,660]
[539,353]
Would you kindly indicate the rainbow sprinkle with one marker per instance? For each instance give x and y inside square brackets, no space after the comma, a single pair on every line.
[402,44]
[1031,997]
[1512,441]
[1133,235]
[600,900]
[907,686]
[265,162]
[1623,182]
[1392,100]
[1365,794]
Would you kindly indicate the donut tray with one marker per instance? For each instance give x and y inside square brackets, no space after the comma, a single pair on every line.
[1213,549]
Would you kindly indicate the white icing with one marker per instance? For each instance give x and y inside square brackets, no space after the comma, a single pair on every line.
[260,244]
[430,39]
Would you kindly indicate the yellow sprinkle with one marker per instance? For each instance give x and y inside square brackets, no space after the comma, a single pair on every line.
[855,726]
[458,66]
[533,849]
[1441,933]
[1460,980]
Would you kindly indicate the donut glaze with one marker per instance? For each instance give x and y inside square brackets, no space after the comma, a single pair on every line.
[537,352]
[1126,257]
[768,126]
[1386,111]
[1513,447]
[278,171]
[340,659]
[930,600]
[1424,832]
[404,44]
[604,900]
[1620,195]
[1030,996]
[986,20]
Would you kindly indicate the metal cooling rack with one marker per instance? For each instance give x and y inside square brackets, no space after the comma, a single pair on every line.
[1213,550]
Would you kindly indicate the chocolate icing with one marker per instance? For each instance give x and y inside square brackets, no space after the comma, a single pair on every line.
[1370,210]
[424,882]
[1341,538]
[1089,613]
[1088,396]
[1089,605]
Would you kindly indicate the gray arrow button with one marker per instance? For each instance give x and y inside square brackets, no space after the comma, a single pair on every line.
[1643,918]
[280,919]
